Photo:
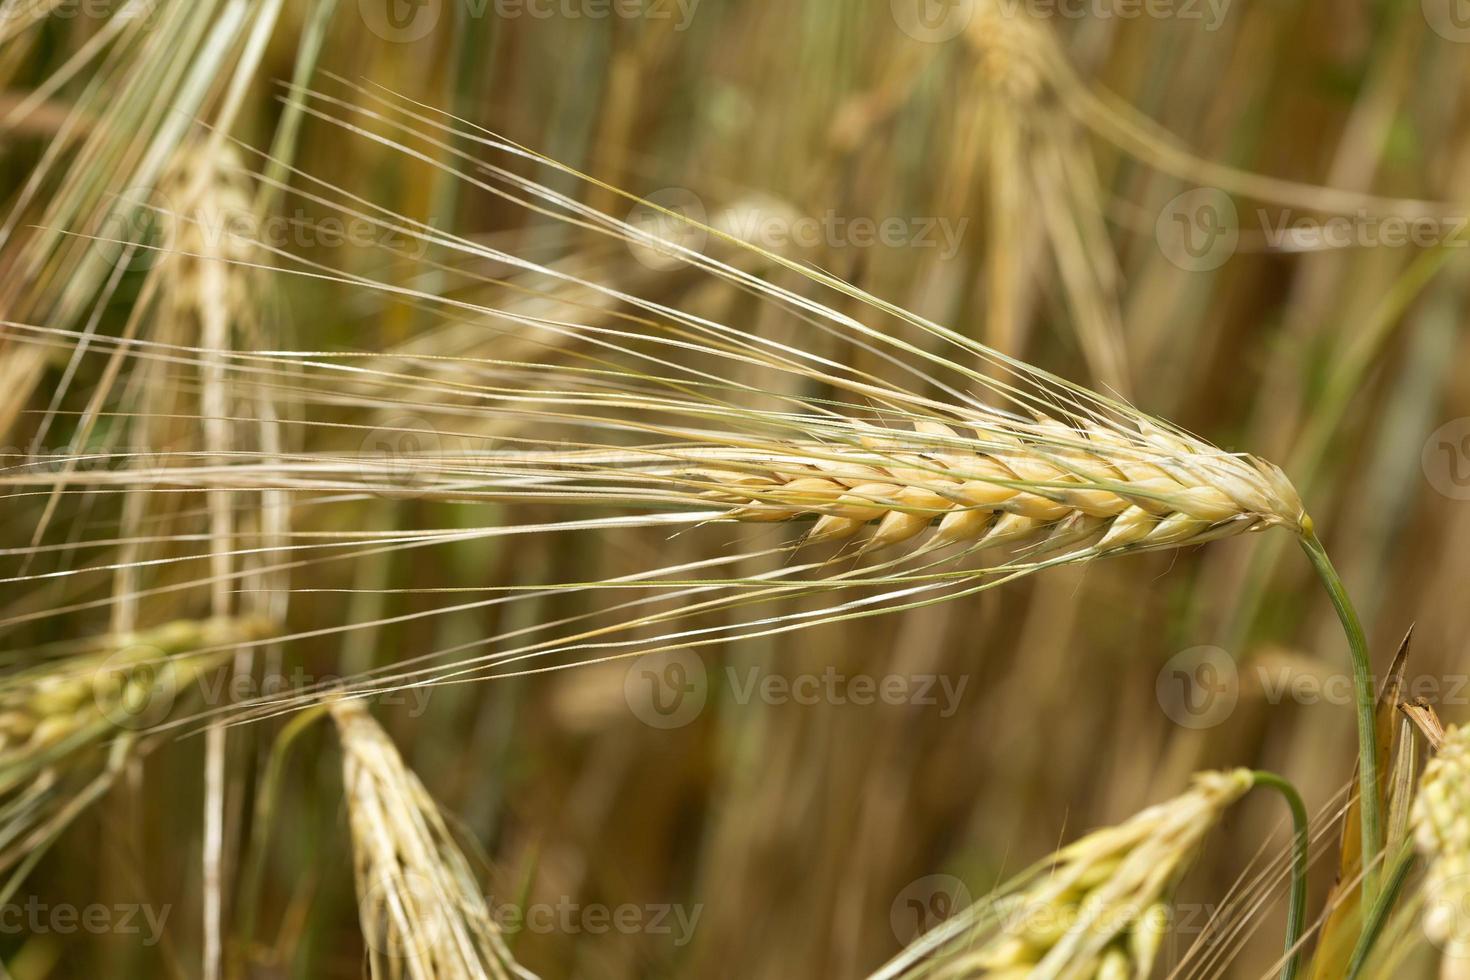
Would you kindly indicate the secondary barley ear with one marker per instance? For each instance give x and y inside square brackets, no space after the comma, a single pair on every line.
[422,912]
[1099,907]
[1441,821]
[67,726]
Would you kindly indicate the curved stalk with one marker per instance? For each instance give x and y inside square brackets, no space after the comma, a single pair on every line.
[1366,705]
[1296,913]
[1377,916]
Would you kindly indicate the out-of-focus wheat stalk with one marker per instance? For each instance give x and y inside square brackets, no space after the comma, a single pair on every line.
[67,725]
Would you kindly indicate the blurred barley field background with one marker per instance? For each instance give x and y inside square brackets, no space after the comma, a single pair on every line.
[247,257]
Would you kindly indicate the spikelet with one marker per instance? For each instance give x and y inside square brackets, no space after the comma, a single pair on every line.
[1143,489]
[422,913]
[208,224]
[1013,49]
[1441,820]
[1097,908]
[65,727]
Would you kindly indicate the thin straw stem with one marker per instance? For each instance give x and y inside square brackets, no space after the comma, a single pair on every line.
[1296,914]
[1368,804]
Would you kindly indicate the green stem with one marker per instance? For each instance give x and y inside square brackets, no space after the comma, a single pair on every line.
[1296,913]
[1377,916]
[1366,707]
[265,806]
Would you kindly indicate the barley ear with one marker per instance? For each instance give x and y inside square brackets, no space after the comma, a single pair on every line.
[1441,822]
[1097,908]
[422,912]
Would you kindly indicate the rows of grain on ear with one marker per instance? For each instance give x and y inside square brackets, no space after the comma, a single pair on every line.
[422,911]
[1441,823]
[1098,908]
[67,725]
[1148,489]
